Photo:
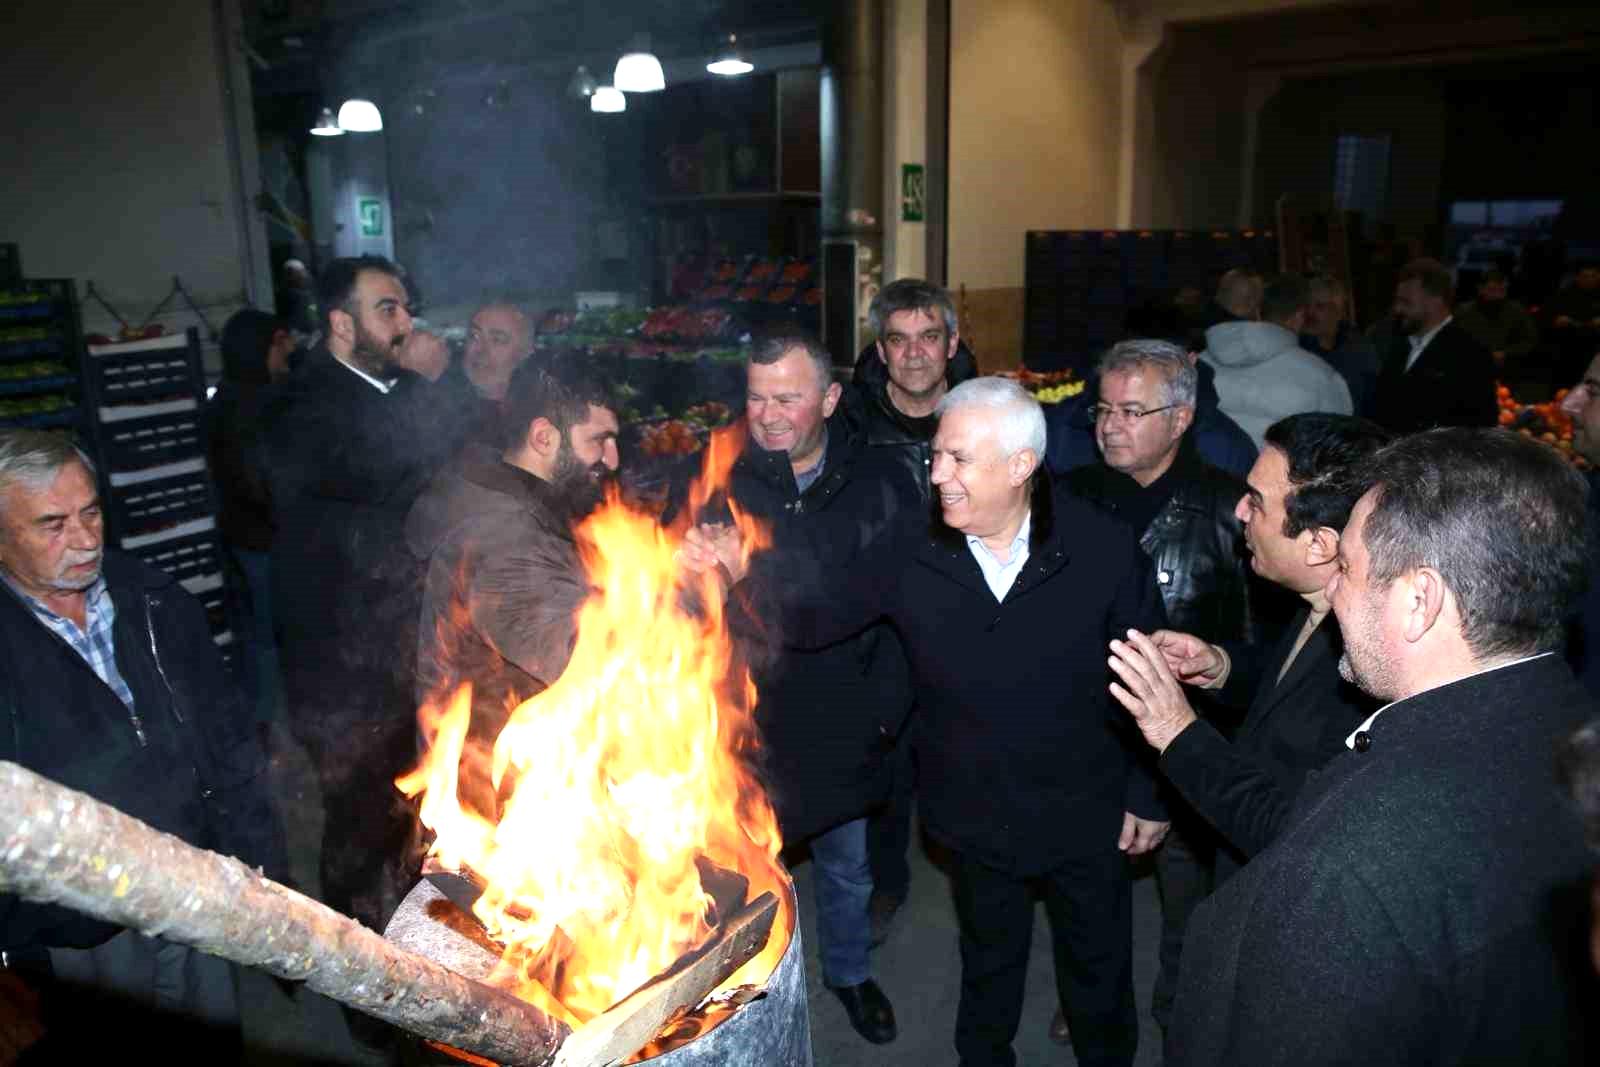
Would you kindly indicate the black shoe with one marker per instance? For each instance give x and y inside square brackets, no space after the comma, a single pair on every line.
[881,911]
[870,1011]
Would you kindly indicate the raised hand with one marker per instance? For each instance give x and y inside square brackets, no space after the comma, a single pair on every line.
[1191,660]
[1149,690]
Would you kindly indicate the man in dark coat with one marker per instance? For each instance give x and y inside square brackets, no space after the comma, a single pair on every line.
[1026,774]
[110,684]
[899,379]
[1299,709]
[495,535]
[1182,513]
[1426,901]
[1329,333]
[1582,406]
[1434,373]
[828,716]
[349,445]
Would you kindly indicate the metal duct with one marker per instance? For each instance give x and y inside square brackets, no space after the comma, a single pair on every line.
[852,166]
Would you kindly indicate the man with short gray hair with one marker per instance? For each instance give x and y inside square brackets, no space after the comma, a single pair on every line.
[1180,510]
[1424,900]
[110,684]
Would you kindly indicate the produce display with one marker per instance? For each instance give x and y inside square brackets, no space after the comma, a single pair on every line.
[1543,422]
[12,406]
[686,434]
[34,368]
[1047,387]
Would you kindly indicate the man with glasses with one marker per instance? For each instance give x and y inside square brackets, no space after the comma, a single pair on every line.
[1182,512]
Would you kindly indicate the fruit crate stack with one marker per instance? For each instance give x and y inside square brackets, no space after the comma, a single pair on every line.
[40,340]
[145,405]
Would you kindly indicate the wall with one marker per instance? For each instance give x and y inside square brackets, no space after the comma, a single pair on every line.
[905,131]
[1034,127]
[118,168]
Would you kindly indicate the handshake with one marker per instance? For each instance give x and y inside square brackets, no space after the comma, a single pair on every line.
[715,547]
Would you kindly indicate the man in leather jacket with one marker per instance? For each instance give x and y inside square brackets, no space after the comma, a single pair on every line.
[110,684]
[918,356]
[1182,512]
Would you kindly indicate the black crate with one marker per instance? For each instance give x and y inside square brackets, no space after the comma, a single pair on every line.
[185,558]
[149,441]
[145,376]
[152,504]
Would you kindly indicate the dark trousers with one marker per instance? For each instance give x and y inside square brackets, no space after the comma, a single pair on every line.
[889,829]
[1089,904]
[1185,873]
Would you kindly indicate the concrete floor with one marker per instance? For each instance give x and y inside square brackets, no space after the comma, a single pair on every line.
[918,968]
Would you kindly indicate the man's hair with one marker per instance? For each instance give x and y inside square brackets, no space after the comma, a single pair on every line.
[1578,770]
[337,286]
[770,348]
[1499,516]
[1179,379]
[561,391]
[1492,277]
[1325,454]
[510,305]
[1431,275]
[33,458]
[1284,295]
[1021,418]
[910,294]
[1240,288]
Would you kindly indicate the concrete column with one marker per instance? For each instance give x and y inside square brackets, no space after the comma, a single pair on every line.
[1260,88]
[1144,48]
[905,56]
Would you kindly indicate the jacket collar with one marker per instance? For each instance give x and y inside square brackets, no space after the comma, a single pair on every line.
[774,471]
[946,550]
[482,466]
[874,377]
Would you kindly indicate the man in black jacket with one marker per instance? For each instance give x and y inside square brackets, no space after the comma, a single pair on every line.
[1299,709]
[828,716]
[1181,512]
[899,379]
[1027,775]
[1426,899]
[350,443]
[1434,373]
[110,684]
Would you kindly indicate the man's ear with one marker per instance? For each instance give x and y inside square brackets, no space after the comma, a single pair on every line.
[882,357]
[953,344]
[1424,596]
[830,399]
[342,324]
[544,440]
[1184,416]
[1020,465]
[1322,547]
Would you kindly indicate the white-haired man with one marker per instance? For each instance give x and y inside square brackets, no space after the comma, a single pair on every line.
[1026,774]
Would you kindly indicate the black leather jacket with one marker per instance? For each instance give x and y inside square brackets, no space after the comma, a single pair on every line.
[1195,543]
[873,414]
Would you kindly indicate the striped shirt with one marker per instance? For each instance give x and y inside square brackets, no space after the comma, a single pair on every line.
[95,643]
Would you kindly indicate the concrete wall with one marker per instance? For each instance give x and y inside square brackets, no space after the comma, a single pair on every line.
[1034,142]
[117,161]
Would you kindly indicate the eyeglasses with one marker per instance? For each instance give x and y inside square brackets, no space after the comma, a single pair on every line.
[1105,412]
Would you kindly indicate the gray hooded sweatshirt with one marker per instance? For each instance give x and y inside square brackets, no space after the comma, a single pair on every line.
[1263,375]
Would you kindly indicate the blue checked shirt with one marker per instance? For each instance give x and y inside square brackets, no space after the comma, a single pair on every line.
[95,644]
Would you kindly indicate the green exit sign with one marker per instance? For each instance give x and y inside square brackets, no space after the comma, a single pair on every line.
[371,213]
[913,193]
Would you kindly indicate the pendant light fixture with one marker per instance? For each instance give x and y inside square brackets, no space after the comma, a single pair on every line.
[729,61]
[583,83]
[608,99]
[327,125]
[639,71]
[360,116]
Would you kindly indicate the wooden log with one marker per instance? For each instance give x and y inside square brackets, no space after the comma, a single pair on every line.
[626,1027]
[58,846]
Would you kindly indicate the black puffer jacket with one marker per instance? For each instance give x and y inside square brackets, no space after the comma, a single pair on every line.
[828,717]
[189,766]
[906,440]
[1195,544]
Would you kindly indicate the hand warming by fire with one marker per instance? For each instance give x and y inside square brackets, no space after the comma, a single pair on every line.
[614,781]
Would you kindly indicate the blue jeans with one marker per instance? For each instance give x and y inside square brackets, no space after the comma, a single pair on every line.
[843,890]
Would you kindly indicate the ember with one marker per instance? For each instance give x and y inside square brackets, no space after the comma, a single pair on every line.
[614,783]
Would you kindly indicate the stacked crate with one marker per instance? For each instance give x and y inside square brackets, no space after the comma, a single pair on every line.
[145,403]
[40,339]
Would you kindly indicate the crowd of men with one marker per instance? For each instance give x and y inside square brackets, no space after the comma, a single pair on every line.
[1328,670]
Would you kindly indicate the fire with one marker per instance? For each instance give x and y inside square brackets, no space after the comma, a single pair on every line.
[614,780]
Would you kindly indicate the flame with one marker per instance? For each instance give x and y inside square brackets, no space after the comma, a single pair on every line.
[614,780]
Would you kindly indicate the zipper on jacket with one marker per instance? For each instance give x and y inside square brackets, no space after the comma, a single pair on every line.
[155,654]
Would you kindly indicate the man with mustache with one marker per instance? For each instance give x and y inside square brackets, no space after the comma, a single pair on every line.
[495,534]
[349,444]
[110,684]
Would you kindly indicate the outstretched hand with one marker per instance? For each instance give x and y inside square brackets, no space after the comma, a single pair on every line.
[1191,660]
[1149,690]
[709,545]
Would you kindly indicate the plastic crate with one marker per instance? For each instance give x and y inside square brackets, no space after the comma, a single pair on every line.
[144,376]
[185,558]
[130,441]
[153,499]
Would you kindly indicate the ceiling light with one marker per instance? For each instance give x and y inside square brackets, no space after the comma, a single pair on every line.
[327,125]
[608,99]
[360,116]
[729,61]
[639,71]
[582,84]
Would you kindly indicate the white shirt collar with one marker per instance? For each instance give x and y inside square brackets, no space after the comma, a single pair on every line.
[1000,577]
[1420,341]
[1350,742]
[379,384]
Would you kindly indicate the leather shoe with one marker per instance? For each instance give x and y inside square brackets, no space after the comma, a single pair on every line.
[881,911]
[870,1011]
[1058,1029]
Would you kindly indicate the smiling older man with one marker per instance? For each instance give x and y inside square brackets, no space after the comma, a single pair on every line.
[1028,775]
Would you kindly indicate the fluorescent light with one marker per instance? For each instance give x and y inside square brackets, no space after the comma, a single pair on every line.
[730,62]
[360,116]
[639,72]
[608,99]
[327,125]
[582,84]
